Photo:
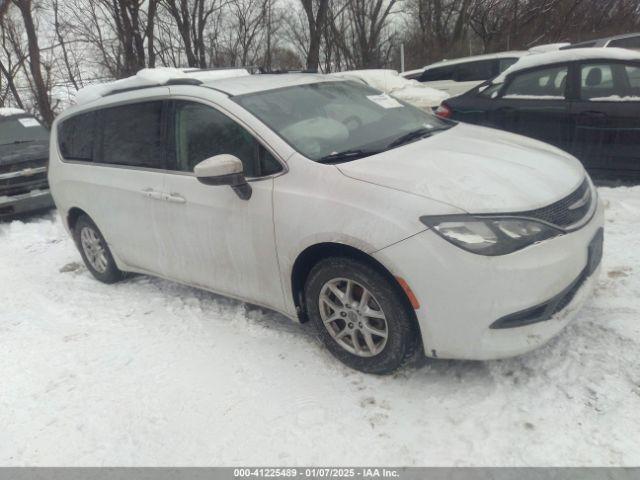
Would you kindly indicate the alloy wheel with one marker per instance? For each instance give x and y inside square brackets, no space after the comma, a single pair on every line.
[353,317]
[93,249]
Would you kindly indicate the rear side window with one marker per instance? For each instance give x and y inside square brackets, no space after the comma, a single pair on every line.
[631,42]
[610,82]
[505,63]
[597,81]
[633,74]
[201,132]
[133,135]
[76,137]
[544,84]
[437,74]
[476,71]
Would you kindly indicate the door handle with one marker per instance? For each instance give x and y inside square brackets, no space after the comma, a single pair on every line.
[174,198]
[151,193]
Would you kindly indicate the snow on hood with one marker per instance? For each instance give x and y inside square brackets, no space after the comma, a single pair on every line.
[8,111]
[477,169]
[530,61]
[389,81]
[153,76]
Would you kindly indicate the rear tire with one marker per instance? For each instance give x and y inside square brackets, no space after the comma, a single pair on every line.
[360,315]
[95,251]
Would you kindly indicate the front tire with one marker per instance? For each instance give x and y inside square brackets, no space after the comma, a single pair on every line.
[360,315]
[95,251]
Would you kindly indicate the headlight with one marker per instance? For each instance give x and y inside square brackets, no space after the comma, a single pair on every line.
[486,235]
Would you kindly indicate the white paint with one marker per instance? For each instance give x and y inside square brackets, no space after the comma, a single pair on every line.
[247,248]
[476,169]
[569,55]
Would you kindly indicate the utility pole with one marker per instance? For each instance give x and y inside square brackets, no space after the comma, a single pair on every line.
[268,59]
[401,57]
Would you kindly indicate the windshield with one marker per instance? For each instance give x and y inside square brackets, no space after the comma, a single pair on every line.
[21,130]
[322,120]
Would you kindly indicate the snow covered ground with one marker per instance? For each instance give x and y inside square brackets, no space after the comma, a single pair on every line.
[148,372]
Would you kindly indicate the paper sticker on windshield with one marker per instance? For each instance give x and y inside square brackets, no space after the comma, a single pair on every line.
[29,122]
[385,101]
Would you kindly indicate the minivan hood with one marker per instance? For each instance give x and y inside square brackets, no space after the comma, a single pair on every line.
[24,152]
[477,169]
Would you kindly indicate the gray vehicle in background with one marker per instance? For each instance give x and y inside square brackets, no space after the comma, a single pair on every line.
[628,40]
[24,153]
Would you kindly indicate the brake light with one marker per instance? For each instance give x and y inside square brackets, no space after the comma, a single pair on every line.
[444,111]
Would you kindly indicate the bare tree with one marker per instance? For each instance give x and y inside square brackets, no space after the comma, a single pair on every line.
[316,21]
[41,92]
[191,18]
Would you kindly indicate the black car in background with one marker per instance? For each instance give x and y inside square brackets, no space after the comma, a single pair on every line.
[24,154]
[586,102]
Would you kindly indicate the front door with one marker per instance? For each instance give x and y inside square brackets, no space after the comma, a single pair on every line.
[213,238]
[607,118]
[534,103]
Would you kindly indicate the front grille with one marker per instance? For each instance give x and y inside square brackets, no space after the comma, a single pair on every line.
[22,184]
[566,212]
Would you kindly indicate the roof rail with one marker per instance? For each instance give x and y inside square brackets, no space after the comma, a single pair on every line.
[173,81]
[155,77]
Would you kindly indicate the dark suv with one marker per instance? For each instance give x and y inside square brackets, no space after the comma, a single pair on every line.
[24,153]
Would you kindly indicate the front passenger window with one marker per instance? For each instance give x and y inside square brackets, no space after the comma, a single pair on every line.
[201,132]
[544,84]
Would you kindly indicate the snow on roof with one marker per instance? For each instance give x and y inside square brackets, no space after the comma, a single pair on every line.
[263,82]
[8,111]
[488,56]
[548,47]
[148,77]
[571,55]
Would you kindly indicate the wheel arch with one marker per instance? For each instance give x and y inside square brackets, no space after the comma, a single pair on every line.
[72,217]
[313,254]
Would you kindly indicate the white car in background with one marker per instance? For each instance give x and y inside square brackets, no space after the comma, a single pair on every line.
[390,229]
[390,82]
[462,74]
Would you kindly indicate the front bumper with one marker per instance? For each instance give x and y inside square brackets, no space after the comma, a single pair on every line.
[27,202]
[462,295]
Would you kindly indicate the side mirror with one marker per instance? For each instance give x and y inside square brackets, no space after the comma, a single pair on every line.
[224,170]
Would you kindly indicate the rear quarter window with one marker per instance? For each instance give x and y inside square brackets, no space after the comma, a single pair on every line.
[76,137]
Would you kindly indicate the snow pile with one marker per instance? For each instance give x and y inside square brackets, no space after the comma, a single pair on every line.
[616,98]
[153,76]
[8,111]
[570,55]
[150,373]
[389,81]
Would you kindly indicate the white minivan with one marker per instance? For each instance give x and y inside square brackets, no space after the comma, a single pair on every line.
[324,199]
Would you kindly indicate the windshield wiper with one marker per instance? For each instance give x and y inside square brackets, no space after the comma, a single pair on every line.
[15,142]
[346,155]
[410,137]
